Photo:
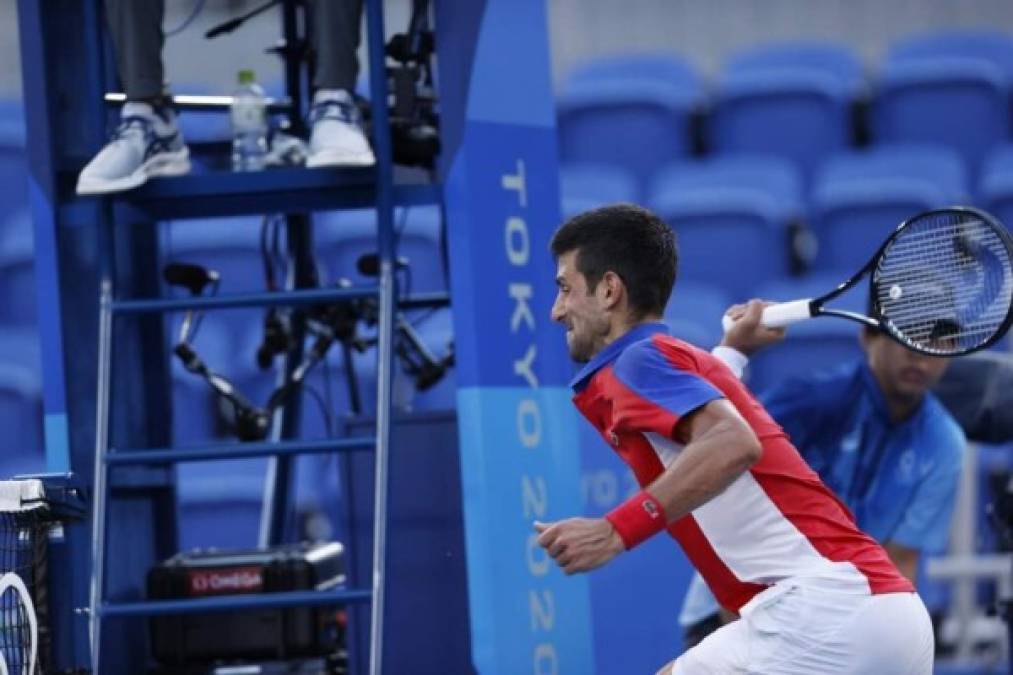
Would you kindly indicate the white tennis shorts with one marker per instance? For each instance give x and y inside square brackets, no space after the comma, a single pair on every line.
[808,629]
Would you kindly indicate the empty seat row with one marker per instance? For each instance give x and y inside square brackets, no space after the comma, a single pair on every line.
[794,100]
[742,220]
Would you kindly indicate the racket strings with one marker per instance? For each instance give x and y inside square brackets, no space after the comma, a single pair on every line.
[15,632]
[945,283]
[17,532]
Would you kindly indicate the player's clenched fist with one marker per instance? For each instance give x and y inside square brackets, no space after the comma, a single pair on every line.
[579,544]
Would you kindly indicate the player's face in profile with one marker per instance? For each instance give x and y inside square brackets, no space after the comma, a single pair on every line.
[579,310]
[902,373]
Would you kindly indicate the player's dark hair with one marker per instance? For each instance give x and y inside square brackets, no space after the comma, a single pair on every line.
[630,241]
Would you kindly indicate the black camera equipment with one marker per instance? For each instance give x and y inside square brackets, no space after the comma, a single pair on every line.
[414,122]
[329,323]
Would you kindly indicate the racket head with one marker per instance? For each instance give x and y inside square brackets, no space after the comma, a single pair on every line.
[942,284]
[19,631]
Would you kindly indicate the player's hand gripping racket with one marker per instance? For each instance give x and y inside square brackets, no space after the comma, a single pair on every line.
[941,284]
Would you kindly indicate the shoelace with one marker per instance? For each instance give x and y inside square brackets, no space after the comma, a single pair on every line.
[125,125]
[332,109]
[153,143]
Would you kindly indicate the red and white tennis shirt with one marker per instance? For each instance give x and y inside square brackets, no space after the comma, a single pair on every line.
[777,521]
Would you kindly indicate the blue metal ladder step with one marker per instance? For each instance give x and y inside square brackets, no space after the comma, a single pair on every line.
[294,298]
[137,456]
[221,194]
[227,603]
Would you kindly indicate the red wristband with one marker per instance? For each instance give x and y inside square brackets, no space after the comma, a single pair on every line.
[638,518]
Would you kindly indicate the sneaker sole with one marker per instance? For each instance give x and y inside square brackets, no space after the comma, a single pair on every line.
[322,160]
[164,164]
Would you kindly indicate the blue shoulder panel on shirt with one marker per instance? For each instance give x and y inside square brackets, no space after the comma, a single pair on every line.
[648,374]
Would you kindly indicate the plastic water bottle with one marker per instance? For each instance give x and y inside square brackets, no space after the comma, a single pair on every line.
[249,124]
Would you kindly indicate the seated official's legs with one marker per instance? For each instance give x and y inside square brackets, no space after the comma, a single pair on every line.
[336,136]
[147,141]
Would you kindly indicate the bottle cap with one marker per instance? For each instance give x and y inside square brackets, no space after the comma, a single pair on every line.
[247,77]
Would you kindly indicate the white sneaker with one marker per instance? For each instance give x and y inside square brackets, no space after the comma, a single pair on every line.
[336,138]
[146,143]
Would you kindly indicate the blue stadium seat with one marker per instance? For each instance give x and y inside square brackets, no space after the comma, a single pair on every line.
[959,102]
[859,197]
[694,313]
[231,246]
[984,44]
[17,271]
[22,449]
[995,189]
[731,218]
[792,100]
[812,345]
[587,186]
[342,237]
[634,112]
[219,503]
[837,61]
[13,162]
[659,67]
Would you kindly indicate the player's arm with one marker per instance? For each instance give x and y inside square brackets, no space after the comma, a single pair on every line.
[658,393]
[721,447]
[904,558]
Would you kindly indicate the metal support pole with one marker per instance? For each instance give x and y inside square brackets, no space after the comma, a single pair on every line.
[102,421]
[385,327]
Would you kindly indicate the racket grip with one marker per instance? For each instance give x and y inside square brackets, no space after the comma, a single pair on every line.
[779,315]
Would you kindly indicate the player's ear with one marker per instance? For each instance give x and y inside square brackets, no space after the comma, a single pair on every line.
[611,288]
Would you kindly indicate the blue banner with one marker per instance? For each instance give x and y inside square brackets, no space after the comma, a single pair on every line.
[519,448]
[520,458]
[519,465]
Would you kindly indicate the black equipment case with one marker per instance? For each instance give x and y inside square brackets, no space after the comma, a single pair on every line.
[187,639]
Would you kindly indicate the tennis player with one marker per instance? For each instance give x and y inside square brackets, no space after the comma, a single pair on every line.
[816,594]
[878,438]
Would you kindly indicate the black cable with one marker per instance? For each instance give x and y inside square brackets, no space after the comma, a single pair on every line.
[328,385]
[324,412]
[444,248]
[265,253]
[198,7]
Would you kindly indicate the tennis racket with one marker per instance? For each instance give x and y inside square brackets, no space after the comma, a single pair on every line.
[19,629]
[941,284]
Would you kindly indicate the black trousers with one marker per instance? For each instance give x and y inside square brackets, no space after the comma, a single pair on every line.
[136,29]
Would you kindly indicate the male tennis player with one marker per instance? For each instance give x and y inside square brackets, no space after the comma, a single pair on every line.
[877,437]
[816,595]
